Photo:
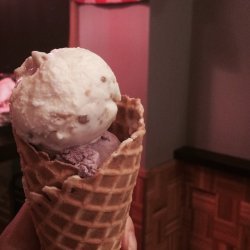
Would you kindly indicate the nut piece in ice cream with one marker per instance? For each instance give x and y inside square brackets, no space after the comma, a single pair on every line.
[64,98]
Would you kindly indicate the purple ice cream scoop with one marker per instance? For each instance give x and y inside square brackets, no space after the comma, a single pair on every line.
[88,158]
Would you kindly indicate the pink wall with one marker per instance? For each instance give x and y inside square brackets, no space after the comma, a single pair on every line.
[220,77]
[119,34]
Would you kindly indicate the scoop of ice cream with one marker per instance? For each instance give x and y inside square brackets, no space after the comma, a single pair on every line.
[64,98]
[88,158]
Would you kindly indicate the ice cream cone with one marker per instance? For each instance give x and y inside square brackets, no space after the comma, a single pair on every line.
[70,212]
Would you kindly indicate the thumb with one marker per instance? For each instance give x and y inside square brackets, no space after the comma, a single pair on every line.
[129,240]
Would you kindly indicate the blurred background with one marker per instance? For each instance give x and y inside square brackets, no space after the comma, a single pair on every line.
[189,62]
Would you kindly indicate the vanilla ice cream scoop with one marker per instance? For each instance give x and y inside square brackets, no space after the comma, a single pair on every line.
[64,98]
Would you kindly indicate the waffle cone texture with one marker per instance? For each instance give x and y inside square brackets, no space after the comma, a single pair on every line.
[70,212]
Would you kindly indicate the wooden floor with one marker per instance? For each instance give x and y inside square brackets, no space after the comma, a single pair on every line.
[217,210]
[192,207]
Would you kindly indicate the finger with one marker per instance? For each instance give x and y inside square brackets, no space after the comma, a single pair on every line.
[129,240]
[20,233]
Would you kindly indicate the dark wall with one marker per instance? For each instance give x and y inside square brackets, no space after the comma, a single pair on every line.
[220,77]
[27,25]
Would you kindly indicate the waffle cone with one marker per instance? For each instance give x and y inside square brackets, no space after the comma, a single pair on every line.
[70,212]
